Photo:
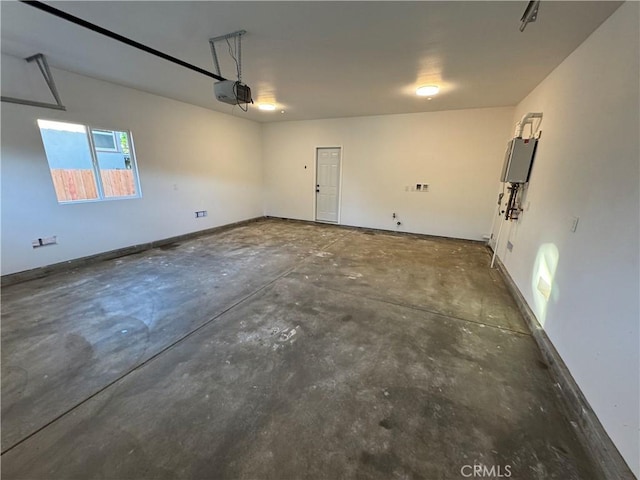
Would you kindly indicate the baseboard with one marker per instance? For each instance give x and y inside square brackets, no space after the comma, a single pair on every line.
[26,275]
[594,437]
[378,230]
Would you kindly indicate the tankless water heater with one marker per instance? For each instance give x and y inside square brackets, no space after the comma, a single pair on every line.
[518,160]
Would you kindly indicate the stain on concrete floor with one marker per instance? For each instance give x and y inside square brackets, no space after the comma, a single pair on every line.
[278,350]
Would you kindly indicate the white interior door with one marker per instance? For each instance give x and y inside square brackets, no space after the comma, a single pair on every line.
[327,184]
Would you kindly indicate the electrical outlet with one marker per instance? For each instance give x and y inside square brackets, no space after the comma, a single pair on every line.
[418,187]
[44,241]
[201,213]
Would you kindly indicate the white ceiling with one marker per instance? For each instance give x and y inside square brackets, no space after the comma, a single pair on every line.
[317,59]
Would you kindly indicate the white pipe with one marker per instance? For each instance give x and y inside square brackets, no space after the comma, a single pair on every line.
[495,247]
[526,118]
[496,216]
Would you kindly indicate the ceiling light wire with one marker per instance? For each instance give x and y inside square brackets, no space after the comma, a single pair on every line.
[233,56]
[240,58]
[233,52]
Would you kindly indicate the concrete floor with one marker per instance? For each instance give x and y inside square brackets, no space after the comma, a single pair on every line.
[279,350]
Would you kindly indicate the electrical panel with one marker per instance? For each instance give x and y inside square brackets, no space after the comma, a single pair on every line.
[518,160]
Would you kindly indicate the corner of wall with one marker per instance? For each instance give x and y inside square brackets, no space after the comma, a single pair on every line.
[586,171]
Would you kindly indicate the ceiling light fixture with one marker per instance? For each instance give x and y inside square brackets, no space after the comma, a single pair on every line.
[267,106]
[427,90]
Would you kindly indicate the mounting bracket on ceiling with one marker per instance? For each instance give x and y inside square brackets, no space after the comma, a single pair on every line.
[530,14]
[237,38]
[41,61]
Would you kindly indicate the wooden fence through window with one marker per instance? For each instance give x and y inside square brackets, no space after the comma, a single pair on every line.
[80,184]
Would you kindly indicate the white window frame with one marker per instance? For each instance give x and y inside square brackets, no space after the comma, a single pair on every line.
[89,129]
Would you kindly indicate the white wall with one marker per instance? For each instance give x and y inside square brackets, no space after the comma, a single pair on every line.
[458,153]
[189,159]
[587,166]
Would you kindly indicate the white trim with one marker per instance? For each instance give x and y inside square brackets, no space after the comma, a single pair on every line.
[60,126]
[96,167]
[134,165]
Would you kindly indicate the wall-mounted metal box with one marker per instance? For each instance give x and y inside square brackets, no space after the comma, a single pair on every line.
[518,160]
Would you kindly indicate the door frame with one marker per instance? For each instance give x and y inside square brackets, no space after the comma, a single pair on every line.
[315,182]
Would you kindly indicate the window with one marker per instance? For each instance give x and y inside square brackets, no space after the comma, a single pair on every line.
[89,163]
[104,140]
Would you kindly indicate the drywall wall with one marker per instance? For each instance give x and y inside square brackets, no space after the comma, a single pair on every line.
[587,166]
[457,153]
[189,159]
